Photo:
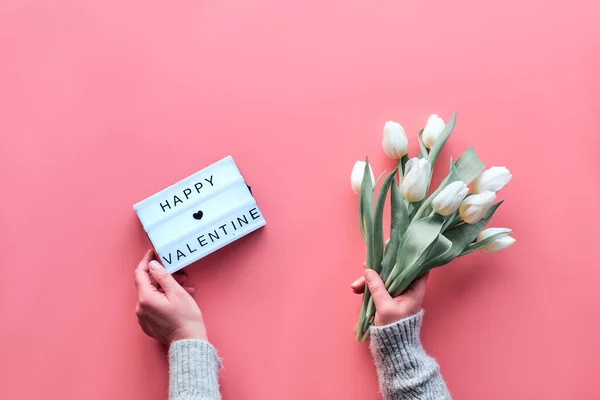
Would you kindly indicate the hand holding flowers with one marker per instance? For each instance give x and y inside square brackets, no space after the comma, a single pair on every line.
[426,231]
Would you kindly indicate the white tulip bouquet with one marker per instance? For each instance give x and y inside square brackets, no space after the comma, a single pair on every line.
[426,231]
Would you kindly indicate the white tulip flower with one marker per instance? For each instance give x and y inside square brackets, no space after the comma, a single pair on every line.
[395,142]
[356,177]
[449,198]
[492,179]
[416,180]
[473,208]
[498,244]
[435,126]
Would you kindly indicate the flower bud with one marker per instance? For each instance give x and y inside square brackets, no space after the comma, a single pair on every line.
[416,180]
[435,126]
[395,142]
[356,177]
[498,244]
[449,199]
[473,208]
[492,179]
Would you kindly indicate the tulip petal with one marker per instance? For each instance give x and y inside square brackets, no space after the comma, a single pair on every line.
[499,244]
[395,142]
[451,177]
[441,140]
[492,179]
[482,243]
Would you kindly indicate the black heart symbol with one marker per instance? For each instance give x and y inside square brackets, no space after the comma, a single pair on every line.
[198,215]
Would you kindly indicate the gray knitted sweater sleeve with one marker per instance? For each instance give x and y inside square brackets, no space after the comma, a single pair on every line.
[193,369]
[405,371]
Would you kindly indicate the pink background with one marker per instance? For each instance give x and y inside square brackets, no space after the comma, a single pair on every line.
[104,102]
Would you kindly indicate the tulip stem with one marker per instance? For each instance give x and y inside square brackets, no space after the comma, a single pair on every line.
[449,221]
[361,318]
[366,335]
[402,164]
[412,210]
[362,323]
[370,307]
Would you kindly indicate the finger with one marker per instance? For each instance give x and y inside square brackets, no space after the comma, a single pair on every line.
[379,293]
[181,277]
[163,278]
[190,289]
[148,256]
[142,279]
[358,286]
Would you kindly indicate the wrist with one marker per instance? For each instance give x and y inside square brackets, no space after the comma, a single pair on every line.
[394,316]
[189,332]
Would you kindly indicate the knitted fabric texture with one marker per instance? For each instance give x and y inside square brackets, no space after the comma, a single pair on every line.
[194,371]
[405,371]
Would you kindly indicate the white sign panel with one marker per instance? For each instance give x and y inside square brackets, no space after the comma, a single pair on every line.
[199,215]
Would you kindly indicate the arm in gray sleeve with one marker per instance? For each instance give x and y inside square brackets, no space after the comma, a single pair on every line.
[193,371]
[405,371]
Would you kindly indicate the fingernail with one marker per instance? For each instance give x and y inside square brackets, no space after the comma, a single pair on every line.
[355,282]
[154,265]
[369,275]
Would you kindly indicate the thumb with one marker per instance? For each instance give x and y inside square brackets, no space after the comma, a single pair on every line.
[377,288]
[162,277]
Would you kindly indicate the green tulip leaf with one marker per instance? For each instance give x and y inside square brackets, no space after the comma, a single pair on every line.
[417,239]
[469,166]
[461,236]
[437,248]
[423,152]
[366,209]
[441,246]
[399,225]
[377,231]
[361,221]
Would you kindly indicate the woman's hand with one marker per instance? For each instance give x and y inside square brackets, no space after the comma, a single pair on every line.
[390,310]
[166,311]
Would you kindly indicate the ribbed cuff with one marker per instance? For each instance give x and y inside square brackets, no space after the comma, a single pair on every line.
[194,369]
[405,371]
[399,338]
